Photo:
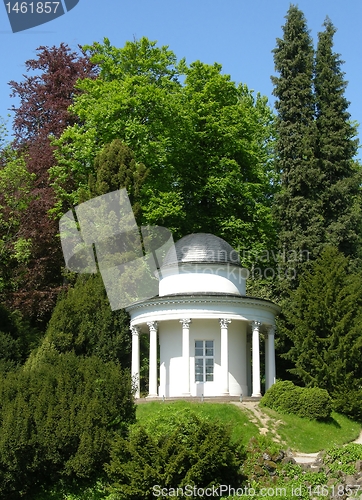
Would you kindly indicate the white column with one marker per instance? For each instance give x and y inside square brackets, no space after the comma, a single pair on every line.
[266,360]
[270,360]
[135,367]
[255,325]
[248,363]
[152,379]
[186,355]
[224,355]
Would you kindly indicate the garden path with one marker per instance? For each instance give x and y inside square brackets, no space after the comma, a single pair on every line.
[268,425]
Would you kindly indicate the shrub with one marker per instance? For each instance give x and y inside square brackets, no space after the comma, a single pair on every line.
[307,402]
[83,322]
[58,416]
[17,338]
[315,404]
[348,402]
[198,452]
[283,396]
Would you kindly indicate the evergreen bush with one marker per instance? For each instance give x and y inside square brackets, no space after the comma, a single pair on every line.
[58,416]
[314,403]
[197,452]
[307,402]
[283,396]
[348,401]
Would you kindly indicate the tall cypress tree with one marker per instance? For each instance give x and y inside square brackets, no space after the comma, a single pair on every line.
[298,205]
[336,147]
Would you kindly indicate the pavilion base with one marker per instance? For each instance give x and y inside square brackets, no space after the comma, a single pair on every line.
[198,399]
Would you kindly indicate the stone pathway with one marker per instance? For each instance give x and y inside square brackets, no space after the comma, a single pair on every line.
[260,419]
[267,425]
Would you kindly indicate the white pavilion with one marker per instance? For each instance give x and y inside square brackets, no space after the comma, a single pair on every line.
[203,328]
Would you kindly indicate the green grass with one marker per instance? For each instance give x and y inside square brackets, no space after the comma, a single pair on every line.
[155,416]
[309,436]
[299,434]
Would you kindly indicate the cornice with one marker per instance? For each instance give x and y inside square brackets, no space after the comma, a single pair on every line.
[207,298]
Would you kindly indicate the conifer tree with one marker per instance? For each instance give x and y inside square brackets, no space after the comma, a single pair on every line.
[297,205]
[336,147]
[324,318]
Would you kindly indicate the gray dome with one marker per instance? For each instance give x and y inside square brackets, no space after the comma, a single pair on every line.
[202,248]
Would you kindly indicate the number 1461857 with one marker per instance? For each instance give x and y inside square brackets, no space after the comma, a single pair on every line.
[32,7]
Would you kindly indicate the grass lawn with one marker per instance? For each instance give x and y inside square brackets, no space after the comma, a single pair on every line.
[155,416]
[299,434]
[309,436]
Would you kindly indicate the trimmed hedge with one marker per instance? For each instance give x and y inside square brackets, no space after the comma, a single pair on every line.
[307,402]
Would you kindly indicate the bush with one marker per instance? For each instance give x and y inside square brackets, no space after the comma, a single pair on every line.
[307,402]
[348,402]
[283,396]
[17,338]
[197,452]
[83,322]
[58,416]
[315,404]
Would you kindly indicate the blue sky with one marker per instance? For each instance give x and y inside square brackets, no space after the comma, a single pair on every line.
[239,34]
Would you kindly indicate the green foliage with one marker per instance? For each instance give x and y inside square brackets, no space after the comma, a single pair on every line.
[116,168]
[17,339]
[315,403]
[347,399]
[285,397]
[3,133]
[206,142]
[59,415]
[320,198]
[322,320]
[297,206]
[343,459]
[161,418]
[254,465]
[83,322]
[15,196]
[337,147]
[282,396]
[195,452]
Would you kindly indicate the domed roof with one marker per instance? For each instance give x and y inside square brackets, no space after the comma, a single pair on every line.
[201,248]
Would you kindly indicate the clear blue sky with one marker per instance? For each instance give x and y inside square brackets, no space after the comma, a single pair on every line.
[238,34]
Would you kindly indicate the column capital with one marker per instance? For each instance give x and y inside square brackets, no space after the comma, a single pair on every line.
[135,330]
[224,322]
[255,324]
[152,325]
[185,322]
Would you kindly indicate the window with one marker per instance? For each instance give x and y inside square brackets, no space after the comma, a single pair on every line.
[204,360]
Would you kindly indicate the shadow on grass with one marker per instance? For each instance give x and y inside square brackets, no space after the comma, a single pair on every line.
[331,421]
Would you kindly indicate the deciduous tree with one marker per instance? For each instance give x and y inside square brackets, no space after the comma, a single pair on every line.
[205,141]
[45,95]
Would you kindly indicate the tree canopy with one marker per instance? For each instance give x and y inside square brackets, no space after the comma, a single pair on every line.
[205,141]
[44,97]
[324,317]
[320,196]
